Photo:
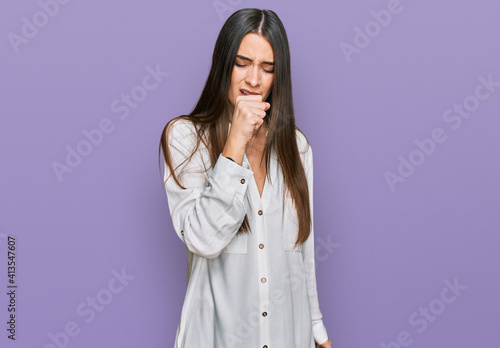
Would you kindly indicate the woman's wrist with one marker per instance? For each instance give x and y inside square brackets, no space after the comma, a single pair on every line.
[234,151]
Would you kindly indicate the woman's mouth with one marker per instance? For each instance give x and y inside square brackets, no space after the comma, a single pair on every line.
[247,92]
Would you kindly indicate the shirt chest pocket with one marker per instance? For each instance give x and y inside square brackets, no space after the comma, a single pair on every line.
[290,227]
[237,245]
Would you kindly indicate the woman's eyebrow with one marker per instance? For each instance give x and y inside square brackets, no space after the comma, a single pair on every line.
[246,58]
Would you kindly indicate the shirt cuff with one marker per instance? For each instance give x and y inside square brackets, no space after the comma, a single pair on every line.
[319,331]
[226,172]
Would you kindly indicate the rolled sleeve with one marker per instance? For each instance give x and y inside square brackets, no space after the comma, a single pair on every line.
[209,211]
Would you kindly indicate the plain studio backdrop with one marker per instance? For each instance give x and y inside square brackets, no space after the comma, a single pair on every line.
[400,101]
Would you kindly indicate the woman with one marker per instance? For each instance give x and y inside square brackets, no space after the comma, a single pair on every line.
[238,177]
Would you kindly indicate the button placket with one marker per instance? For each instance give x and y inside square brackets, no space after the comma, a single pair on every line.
[263,272]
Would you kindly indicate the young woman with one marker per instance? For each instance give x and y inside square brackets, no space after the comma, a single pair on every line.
[238,176]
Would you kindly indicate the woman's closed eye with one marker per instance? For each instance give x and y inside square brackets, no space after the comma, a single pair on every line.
[246,65]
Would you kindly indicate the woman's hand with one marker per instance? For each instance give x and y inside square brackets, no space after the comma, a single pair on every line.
[248,116]
[327,344]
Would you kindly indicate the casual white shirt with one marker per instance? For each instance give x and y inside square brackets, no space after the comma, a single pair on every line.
[250,290]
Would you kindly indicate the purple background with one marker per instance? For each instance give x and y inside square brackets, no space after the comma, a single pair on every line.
[382,253]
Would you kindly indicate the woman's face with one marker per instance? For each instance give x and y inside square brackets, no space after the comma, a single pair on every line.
[253,69]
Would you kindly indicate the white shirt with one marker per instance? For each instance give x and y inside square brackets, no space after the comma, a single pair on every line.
[251,290]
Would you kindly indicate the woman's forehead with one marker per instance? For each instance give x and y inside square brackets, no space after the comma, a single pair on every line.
[255,47]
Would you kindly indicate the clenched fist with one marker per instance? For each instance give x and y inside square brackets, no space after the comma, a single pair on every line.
[248,116]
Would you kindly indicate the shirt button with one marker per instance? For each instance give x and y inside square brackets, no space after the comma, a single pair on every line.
[264,314]
[263,280]
[264,346]
[260,212]
[242,181]
[182,232]
[261,245]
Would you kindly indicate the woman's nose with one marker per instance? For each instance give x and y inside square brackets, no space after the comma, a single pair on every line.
[253,76]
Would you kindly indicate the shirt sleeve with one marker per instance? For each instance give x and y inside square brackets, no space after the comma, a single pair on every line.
[207,214]
[318,328]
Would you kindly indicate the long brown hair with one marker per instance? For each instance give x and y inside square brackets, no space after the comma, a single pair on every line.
[211,119]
